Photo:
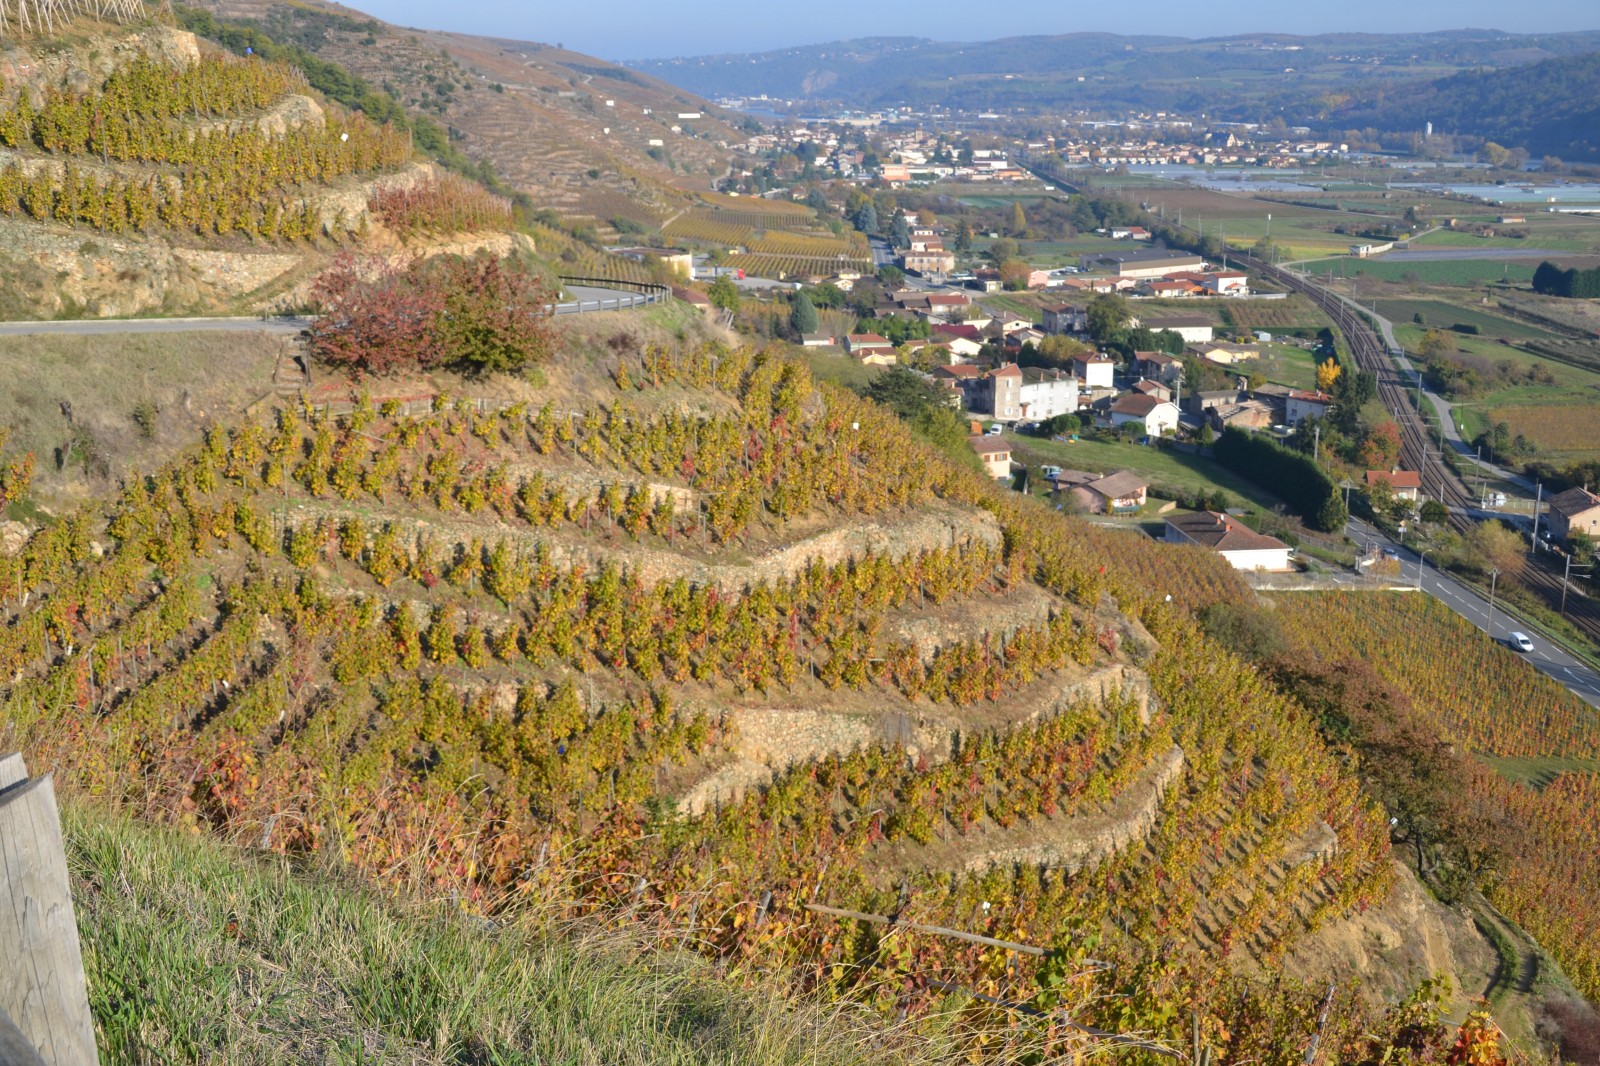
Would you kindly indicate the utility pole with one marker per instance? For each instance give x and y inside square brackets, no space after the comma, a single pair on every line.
[1316,443]
[1494,575]
[1537,500]
[1420,560]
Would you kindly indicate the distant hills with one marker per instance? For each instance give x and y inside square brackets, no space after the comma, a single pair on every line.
[1458,79]
[1549,108]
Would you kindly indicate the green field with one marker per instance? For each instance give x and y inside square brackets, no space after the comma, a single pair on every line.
[1285,364]
[1442,315]
[1459,272]
[1170,469]
[1572,390]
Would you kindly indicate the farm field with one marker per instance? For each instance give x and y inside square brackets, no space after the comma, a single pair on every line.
[1445,238]
[1294,312]
[1562,431]
[1457,272]
[1294,239]
[1440,314]
[778,240]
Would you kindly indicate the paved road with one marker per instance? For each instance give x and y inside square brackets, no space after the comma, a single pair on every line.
[1546,657]
[155,325]
[587,298]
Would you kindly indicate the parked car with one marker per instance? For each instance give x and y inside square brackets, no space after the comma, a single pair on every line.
[1520,641]
[995,430]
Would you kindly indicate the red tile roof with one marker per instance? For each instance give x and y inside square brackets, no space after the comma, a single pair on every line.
[1399,479]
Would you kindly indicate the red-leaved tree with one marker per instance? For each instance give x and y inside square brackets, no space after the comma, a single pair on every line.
[376,317]
[475,316]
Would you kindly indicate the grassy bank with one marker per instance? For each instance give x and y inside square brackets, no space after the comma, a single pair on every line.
[197,953]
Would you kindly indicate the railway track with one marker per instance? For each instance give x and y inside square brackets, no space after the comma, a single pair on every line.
[1370,354]
[1438,480]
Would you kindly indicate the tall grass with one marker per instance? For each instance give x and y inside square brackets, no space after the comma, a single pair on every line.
[195,953]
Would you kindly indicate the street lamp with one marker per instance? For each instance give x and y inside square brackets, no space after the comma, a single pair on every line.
[1494,575]
[1420,560]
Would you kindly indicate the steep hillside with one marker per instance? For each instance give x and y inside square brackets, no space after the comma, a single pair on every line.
[572,132]
[679,638]
[141,170]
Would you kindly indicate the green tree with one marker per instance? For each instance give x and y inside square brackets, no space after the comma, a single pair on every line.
[1434,513]
[900,231]
[1002,249]
[1108,316]
[724,294]
[494,318]
[803,315]
[867,218]
[922,406]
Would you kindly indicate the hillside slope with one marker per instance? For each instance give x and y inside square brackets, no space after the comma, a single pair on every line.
[678,638]
[196,953]
[572,132]
[1548,108]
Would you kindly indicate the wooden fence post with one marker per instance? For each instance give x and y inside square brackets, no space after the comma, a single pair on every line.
[42,987]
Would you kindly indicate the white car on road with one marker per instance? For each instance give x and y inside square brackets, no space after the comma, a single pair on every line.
[1520,641]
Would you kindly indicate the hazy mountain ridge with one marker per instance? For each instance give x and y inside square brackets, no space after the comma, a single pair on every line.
[1249,76]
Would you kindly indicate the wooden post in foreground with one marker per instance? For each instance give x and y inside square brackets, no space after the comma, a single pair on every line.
[42,987]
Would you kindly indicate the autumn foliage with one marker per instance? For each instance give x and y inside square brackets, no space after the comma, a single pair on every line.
[471,315]
[442,204]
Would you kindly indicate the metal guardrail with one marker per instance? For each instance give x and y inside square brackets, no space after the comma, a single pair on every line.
[631,294]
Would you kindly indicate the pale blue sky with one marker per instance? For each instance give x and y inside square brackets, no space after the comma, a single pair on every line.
[637,29]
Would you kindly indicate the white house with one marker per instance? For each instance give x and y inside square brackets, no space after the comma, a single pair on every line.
[1227,284]
[1047,393]
[1302,405]
[1243,547]
[1095,370]
[1194,329]
[1155,415]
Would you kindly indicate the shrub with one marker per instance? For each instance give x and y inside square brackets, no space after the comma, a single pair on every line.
[472,315]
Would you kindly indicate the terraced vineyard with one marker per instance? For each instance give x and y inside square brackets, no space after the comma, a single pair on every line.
[213,146]
[693,656]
